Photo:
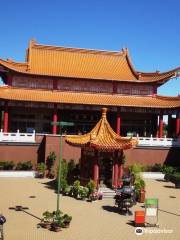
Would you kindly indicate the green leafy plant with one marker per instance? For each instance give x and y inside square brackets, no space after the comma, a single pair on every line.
[168,171]
[24,166]
[7,165]
[67,191]
[175,178]
[66,219]
[83,192]
[50,164]
[41,168]
[136,168]
[91,187]
[139,184]
[76,188]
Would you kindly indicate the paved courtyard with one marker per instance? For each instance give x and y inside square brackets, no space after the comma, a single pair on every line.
[91,221]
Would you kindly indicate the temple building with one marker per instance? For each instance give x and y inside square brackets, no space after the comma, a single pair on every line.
[72,84]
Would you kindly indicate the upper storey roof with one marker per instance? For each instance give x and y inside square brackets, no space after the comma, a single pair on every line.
[83,63]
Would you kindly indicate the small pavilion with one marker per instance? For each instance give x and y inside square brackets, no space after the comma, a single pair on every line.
[102,138]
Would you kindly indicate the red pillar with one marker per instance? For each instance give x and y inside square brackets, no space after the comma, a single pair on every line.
[6,117]
[161,125]
[120,183]
[115,183]
[96,169]
[55,118]
[169,133]
[118,131]
[82,167]
[177,124]
[118,127]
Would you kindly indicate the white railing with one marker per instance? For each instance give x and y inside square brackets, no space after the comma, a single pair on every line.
[17,137]
[158,142]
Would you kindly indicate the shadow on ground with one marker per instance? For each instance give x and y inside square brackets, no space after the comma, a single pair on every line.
[167,186]
[51,184]
[111,209]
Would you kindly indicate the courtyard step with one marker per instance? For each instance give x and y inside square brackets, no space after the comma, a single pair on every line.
[107,192]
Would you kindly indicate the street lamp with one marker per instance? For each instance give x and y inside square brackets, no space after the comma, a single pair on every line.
[60,124]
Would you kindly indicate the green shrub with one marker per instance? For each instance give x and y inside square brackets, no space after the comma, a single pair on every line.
[157,167]
[64,185]
[175,177]
[91,187]
[139,184]
[168,169]
[7,165]
[51,160]
[83,192]
[76,187]
[136,168]
[24,166]
[41,167]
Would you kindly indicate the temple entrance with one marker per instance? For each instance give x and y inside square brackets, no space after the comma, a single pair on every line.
[105,169]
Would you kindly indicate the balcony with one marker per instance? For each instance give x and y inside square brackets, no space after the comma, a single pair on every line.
[17,137]
[158,142]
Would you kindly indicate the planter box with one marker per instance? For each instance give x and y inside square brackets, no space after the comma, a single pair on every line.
[152,175]
[18,174]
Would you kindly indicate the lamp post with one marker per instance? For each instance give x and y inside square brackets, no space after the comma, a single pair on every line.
[60,124]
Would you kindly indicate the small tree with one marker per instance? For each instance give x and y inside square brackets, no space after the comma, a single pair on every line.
[50,164]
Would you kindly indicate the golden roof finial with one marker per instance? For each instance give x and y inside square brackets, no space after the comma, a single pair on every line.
[104,111]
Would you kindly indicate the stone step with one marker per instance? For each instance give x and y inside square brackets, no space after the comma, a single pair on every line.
[107,192]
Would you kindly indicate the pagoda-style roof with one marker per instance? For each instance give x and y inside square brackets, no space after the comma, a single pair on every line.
[83,64]
[100,99]
[102,137]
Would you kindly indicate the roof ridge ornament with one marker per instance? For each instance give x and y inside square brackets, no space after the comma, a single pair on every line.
[104,111]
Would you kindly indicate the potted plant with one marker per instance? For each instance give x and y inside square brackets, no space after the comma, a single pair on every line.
[83,192]
[76,188]
[91,187]
[168,171]
[94,196]
[41,168]
[175,178]
[57,223]
[47,220]
[68,191]
[50,165]
[139,188]
[66,219]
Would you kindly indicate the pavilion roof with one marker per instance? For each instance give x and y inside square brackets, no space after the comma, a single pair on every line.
[83,63]
[102,137]
[100,99]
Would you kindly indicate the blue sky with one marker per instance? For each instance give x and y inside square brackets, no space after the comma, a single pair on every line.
[149,29]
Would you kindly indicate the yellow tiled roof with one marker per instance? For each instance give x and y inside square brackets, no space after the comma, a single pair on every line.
[82,63]
[102,137]
[20,94]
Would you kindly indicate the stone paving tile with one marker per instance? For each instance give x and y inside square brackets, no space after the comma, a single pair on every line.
[91,221]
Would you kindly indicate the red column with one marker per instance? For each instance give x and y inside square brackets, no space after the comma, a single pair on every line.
[55,118]
[118,126]
[177,124]
[118,131]
[169,125]
[120,171]
[116,170]
[96,168]
[6,117]
[82,167]
[161,125]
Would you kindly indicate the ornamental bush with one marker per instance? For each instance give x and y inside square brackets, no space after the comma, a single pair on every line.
[24,166]
[91,187]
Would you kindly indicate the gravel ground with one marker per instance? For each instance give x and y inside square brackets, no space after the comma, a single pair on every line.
[91,221]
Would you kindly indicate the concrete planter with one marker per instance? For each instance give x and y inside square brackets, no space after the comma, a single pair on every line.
[18,174]
[152,175]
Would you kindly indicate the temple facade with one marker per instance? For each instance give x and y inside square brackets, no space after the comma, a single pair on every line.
[72,84]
